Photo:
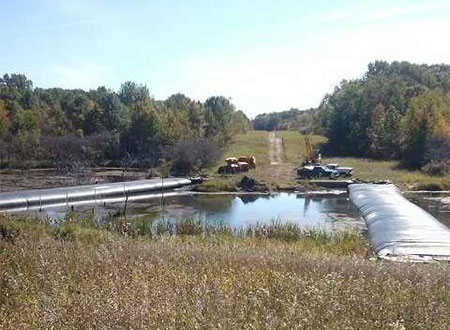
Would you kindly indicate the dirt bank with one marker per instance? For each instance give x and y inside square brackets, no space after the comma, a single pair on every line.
[15,180]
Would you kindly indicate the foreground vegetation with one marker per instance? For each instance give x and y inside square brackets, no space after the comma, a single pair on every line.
[78,276]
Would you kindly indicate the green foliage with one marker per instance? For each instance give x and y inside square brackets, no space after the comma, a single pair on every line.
[37,123]
[4,119]
[219,115]
[392,112]
[240,123]
[293,119]
[193,155]
[428,120]
[131,93]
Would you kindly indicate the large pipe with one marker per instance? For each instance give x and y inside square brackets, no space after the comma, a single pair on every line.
[42,198]
[397,228]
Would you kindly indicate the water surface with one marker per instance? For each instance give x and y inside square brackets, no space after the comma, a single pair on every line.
[250,209]
[236,210]
[240,210]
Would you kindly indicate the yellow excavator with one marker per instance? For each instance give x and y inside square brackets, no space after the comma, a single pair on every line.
[311,157]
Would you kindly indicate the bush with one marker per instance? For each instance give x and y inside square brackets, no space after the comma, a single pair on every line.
[191,155]
[432,186]
[438,168]
[79,231]
[189,227]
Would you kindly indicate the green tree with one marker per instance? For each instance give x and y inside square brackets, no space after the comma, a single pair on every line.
[363,117]
[189,114]
[141,140]
[240,123]
[428,117]
[107,113]
[4,120]
[77,106]
[131,93]
[218,116]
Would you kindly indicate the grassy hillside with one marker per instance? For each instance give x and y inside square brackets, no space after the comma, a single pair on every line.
[256,143]
[251,143]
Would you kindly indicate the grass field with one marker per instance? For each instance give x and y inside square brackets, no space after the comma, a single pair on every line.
[252,143]
[78,276]
[256,143]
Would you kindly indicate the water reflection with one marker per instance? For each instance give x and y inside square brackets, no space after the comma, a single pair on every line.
[244,210]
[437,205]
[237,210]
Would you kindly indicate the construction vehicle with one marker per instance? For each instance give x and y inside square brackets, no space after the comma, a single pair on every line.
[312,165]
[317,171]
[238,165]
[343,171]
[311,157]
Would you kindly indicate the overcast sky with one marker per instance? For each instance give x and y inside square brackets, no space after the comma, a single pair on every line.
[266,55]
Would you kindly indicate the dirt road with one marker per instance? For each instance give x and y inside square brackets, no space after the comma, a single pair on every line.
[276,150]
[278,171]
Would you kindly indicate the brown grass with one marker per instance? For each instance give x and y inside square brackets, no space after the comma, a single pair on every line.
[208,282]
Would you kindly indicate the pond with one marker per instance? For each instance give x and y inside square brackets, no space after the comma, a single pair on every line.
[437,204]
[327,211]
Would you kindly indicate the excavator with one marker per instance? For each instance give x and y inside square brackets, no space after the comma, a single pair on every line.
[311,157]
[312,165]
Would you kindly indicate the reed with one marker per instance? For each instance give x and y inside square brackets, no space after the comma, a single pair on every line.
[209,280]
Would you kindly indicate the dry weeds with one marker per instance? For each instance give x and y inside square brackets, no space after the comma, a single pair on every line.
[218,281]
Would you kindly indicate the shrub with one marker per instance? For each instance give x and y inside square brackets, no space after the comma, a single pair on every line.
[438,168]
[432,186]
[190,155]
[437,156]
[78,232]
[164,227]
[189,226]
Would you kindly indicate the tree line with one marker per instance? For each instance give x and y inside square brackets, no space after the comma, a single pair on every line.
[395,110]
[293,119]
[55,126]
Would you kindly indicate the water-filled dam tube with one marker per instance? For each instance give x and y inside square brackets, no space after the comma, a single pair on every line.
[397,228]
[120,191]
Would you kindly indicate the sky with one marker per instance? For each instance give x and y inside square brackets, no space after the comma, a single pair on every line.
[265,55]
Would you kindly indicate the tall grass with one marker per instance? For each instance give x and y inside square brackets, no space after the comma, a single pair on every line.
[88,231]
[204,281]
